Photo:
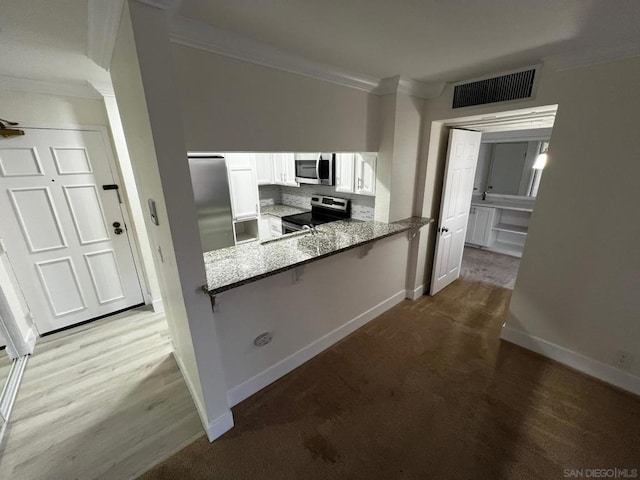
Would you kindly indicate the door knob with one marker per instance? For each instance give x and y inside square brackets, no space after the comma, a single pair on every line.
[116,224]
[118,231]
[444,229]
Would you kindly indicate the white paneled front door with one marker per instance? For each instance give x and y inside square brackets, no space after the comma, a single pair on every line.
[64,234]
[460,170]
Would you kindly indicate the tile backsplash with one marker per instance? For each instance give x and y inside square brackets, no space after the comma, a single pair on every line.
[362,206]
[270,195]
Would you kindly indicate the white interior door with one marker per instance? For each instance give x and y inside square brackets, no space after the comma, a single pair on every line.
[460,170]
[64,234]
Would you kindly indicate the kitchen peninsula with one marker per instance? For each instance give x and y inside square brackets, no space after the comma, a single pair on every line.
[235,266]
[281,302]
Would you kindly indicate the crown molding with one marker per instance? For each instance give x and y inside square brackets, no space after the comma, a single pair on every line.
[577,59]
[410,87]
[194,34]
[65,89]
[104,89]
[198,35]
[103,23]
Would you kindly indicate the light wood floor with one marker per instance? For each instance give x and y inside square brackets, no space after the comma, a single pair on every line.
[105,400]
[5,367]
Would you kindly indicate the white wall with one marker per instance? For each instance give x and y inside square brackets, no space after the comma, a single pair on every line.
[35,108]
[577,280]
[577,286]
[138,211]
[146,95]
[400,141]
[230,105]
[406,152]
[308,316]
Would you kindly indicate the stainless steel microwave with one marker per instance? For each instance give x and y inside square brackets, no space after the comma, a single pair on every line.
[315,168]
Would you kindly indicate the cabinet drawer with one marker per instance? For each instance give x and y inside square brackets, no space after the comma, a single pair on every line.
[275,226]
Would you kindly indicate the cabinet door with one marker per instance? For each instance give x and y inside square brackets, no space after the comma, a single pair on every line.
[365,182]
[345,165]
[264,168]
[278,169]
[264,228]
[284,169]
[484,223]
[471,226]
[243,186]
[275,225]
[239,160]
[289,167]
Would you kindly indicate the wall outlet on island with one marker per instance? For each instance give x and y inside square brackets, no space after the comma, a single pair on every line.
[262,339]
[624,359]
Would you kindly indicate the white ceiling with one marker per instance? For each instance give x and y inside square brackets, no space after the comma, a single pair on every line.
[46,40]
[427,40]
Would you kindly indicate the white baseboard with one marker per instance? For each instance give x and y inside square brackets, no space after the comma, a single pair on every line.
[218,426]
[158,306]
[589,366]
[415,293]
[30,340]
[284,366]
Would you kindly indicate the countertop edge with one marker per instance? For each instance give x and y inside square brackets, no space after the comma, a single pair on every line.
[503,207]
[239,283]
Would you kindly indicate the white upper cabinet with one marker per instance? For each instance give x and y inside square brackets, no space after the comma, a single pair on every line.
[365,173]
[345,167]
[264,168]
[284,169]
[243,185]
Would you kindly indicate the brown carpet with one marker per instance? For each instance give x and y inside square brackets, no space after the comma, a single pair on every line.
[427,390]
[489,267]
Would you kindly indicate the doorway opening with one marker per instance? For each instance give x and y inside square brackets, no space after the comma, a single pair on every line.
[494,167]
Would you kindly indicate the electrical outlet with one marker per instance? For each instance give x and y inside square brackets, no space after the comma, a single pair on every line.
[262,339]
[624,359]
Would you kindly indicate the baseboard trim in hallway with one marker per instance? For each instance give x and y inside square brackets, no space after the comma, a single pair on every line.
[577,361]
[219,425]
[415,293]
[243,391]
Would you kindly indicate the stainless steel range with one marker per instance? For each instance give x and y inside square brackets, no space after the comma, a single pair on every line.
[323,210]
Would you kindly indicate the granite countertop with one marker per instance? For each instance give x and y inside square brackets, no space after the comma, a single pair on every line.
[280,210]
[232,267]
[522,206]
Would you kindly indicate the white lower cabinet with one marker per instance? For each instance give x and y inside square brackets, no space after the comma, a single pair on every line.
[480,227]
[269,227]
[498,229]
[275,224]
[264,227]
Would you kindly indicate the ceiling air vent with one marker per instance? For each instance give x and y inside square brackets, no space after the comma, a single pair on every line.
[507,87]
